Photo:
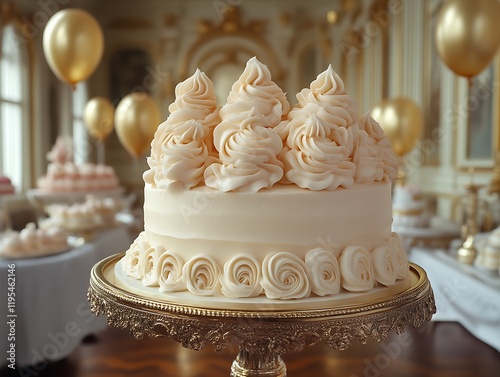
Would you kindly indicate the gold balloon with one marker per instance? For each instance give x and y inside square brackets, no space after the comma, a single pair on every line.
[467,35]
[402,122]
[136,118]
[73,44]
[98,116]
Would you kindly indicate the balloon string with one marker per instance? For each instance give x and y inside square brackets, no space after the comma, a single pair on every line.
[470,82]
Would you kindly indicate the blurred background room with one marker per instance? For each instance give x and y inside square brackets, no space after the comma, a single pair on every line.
[75,135]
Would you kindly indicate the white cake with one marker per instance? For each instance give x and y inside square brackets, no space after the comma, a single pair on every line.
[260,204]
[95,211]
[409,207]
[489,253]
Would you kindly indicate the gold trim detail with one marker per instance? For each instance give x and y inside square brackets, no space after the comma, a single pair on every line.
[230,26]
[274,332]
[130,23]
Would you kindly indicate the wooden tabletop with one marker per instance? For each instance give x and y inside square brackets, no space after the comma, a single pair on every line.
[440,350]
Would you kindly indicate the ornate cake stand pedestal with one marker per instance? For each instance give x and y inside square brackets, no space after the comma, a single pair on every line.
[261,335]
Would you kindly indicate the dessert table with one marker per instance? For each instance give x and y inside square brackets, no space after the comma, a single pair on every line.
[50,314]
[41,198]
[463,293]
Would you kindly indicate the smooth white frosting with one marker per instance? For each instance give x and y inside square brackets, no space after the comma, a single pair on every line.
[202,220]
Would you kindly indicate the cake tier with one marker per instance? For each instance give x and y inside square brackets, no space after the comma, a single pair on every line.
[285,218]
[285,243]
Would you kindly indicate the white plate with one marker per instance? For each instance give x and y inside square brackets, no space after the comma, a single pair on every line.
[73,242]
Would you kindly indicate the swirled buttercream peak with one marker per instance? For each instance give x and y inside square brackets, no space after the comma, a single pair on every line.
[328,91]
[182,146]
[248,154]
[255,89]
[195,93]
[255,140]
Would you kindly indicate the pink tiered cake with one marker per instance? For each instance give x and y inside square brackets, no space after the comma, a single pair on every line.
[6,186]
[65,176]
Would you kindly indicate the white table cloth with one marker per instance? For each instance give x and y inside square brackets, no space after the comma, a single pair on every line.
[463,293]
[51,305]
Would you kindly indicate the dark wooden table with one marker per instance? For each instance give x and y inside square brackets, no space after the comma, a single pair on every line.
[440,350]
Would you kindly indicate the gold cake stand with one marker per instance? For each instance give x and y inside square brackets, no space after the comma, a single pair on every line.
[260,335]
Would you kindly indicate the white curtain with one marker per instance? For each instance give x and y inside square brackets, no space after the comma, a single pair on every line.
[14,130]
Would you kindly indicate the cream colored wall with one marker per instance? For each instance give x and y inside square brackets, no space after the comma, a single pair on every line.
[389,61]
[289,27]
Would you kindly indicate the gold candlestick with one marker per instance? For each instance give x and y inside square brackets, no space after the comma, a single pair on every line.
[494,187]
[467,253]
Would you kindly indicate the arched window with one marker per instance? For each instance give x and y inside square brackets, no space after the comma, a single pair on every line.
[14,122]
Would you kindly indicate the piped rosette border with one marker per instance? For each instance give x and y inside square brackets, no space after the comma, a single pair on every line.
[279,276]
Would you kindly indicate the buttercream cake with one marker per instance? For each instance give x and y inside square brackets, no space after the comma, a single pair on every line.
[94,212]
[63,175]
[409,208]
[260,203]
[6,186]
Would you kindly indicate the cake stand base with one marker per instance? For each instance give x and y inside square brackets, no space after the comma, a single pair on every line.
[260,336]
[252,364]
